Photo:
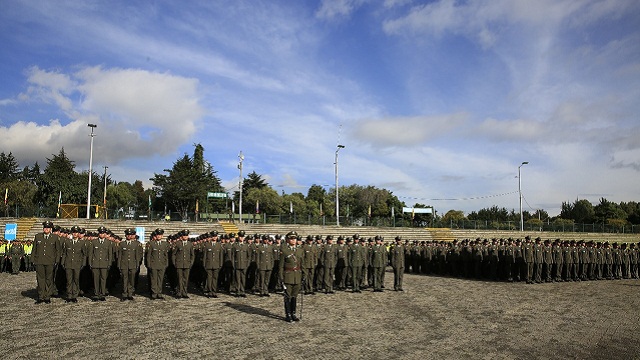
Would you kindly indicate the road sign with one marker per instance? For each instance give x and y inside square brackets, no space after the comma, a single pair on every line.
[216,195]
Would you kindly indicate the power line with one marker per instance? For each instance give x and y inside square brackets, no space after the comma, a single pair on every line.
[460,199]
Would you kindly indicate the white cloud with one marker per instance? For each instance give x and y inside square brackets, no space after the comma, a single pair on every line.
[138,113]
[406,131]
[333,9]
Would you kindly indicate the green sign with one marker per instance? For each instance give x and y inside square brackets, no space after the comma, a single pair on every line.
[216,195]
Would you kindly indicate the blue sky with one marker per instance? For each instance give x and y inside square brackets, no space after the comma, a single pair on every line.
[437,101]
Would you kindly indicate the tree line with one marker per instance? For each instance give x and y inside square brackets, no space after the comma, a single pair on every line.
[184,189]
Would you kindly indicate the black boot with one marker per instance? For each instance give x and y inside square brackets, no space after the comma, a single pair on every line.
[293,310]
[287,310]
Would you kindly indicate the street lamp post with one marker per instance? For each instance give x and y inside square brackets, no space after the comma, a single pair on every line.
[520,194]
[104,198]
[337,197]
[241,157]
[92,126]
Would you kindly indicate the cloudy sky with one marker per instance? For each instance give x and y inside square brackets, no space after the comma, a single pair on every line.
[437,101]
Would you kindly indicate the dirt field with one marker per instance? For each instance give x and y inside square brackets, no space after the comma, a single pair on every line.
[434,318]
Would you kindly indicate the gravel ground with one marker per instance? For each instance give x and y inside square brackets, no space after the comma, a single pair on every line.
[434,318]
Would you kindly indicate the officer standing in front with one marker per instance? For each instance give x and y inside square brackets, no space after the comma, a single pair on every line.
[45,255]
[183,257]
[100,259]
[290,275]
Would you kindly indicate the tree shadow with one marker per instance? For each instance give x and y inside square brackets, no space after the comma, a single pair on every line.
[248,309]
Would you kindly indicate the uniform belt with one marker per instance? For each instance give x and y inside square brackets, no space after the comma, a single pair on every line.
[291,269]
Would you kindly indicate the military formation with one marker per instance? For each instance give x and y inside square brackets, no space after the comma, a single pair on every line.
[73,263]
[526,260]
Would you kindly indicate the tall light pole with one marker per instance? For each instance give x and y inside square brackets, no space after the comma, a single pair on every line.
[520,193]
[92,126]
[104,198]
[337,197]
[241,157]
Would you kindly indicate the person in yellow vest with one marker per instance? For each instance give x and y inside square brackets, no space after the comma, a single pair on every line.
[4,249]
[28,249]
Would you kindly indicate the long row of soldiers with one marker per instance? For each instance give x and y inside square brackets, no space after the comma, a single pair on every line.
[527,260]
[77,262]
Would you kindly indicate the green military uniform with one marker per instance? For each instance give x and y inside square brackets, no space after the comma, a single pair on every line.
[264,262]
[129,257]
[357,254]
[46,252]
[17,254]
[290,274]
[329,256]
[73,259]
[212,259]
[183,257]
[397,263]
[378,263]
[157,261]
[309,265]
[100,259]
[241,258]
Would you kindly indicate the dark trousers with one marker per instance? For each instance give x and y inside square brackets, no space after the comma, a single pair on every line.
[328,278]
[356,272]
[73,283]
[398,272]
[307,274]
[377,277]
[239,280]
[156,279]
[211,283]
[100,281]
[128,281]
[44,277]
[183,281]
[264,276]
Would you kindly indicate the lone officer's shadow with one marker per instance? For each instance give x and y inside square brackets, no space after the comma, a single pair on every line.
[31,293]
[253,310]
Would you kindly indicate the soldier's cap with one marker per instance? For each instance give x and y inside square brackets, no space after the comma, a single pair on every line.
[265,237]
[241,233]
[349,240]
[356,236]
[130,231]
[184,232]
[102,230]
[56,227]
[214,233]
[398,238]
[340,237]
[47,224]
[292,234]
[329,237]
[309,237]
[278,236]
[159,231]
[378,237]
[318,237]
[75,229]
